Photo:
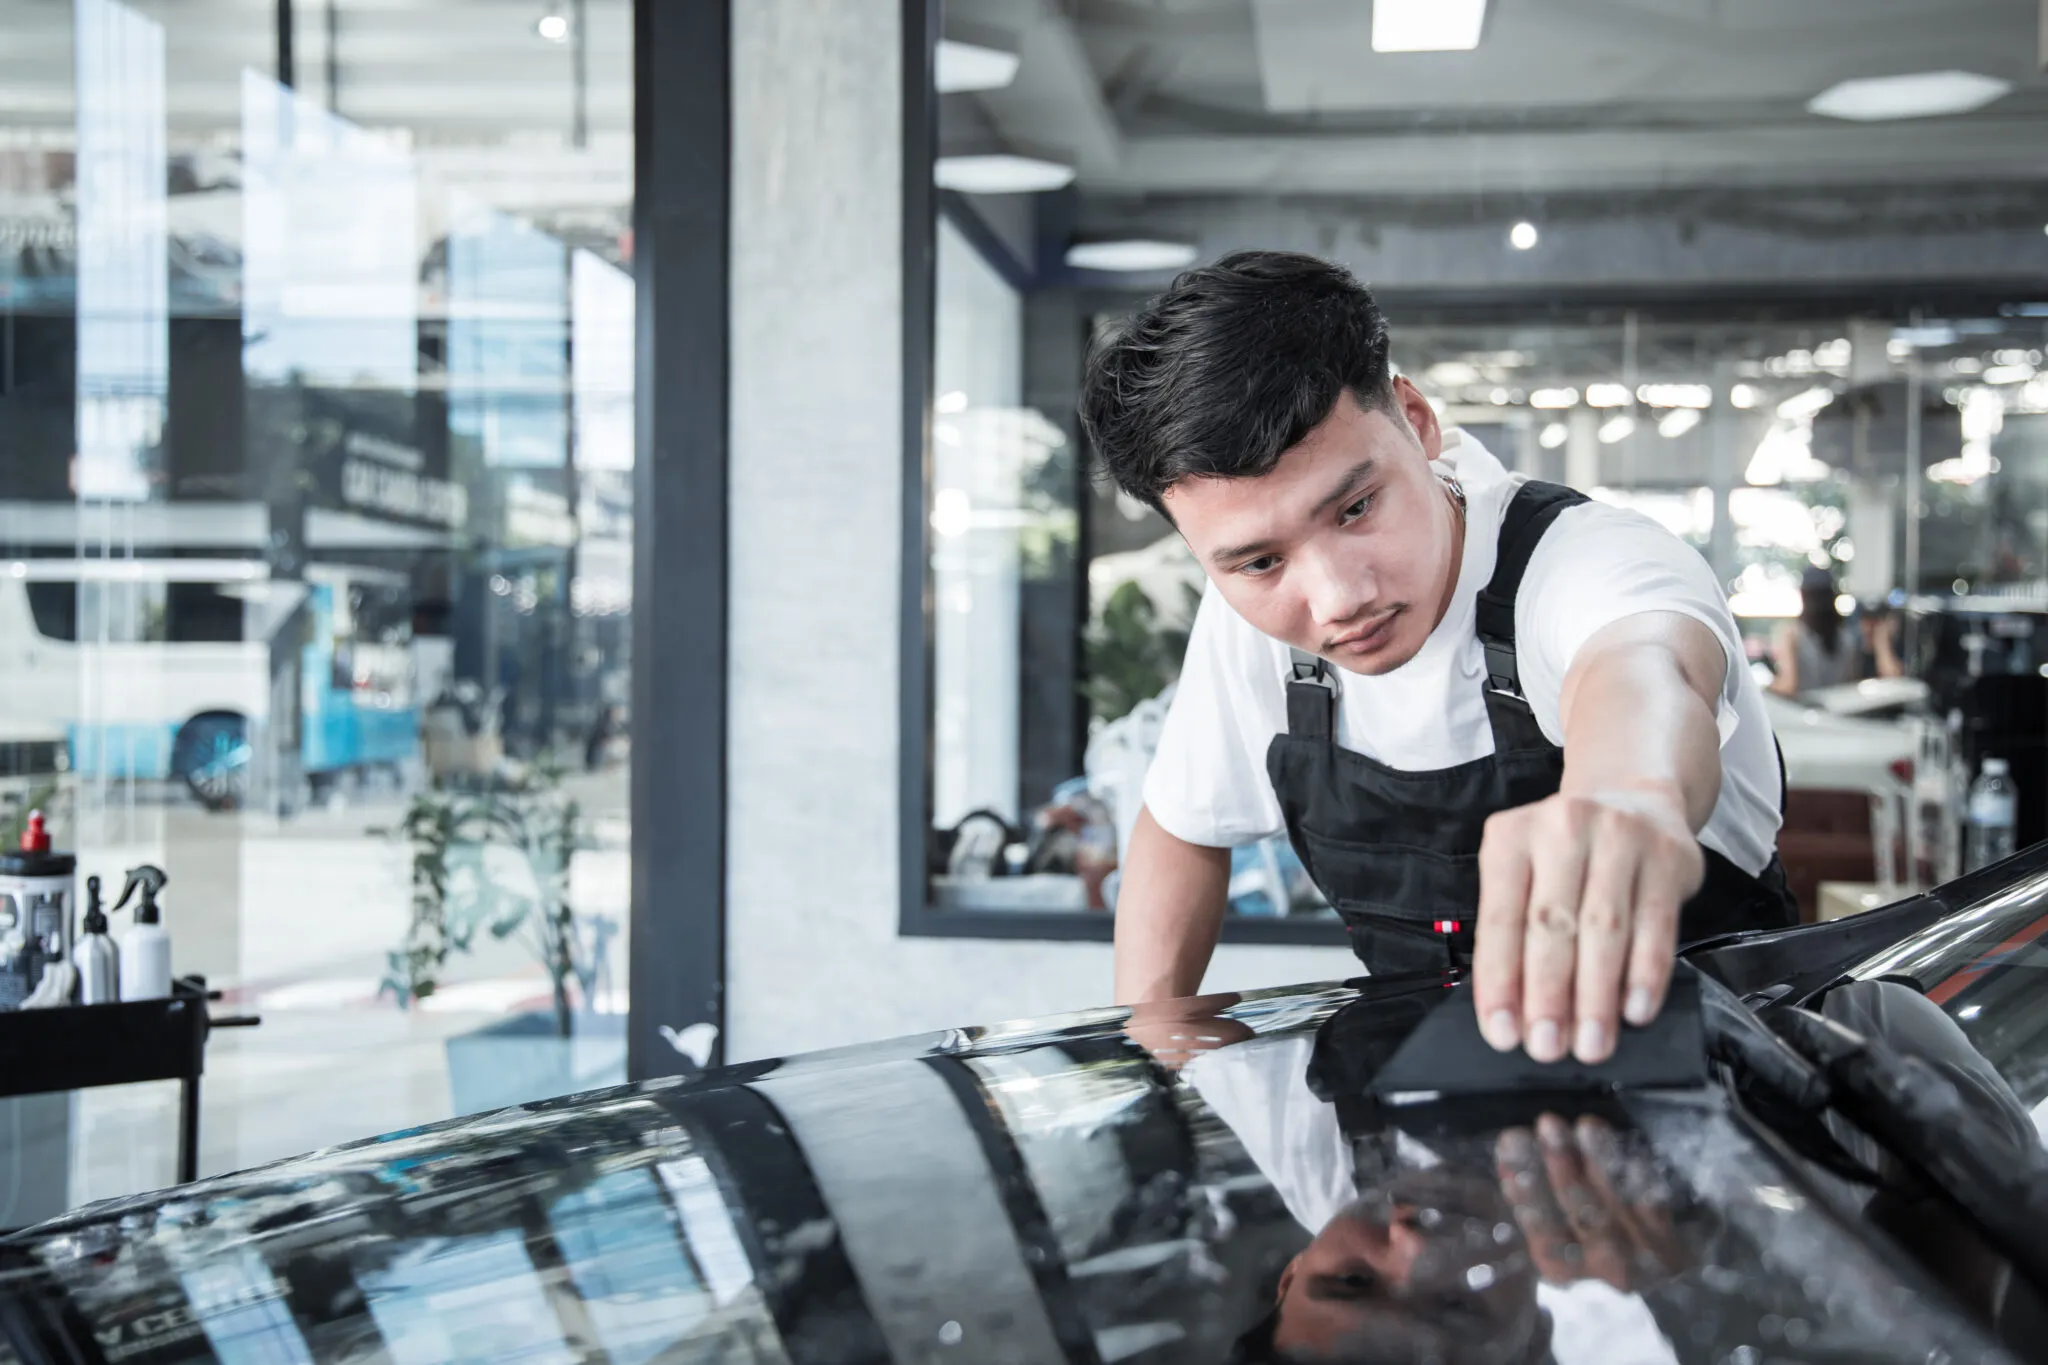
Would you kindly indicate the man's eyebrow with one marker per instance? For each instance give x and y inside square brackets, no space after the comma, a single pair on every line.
[1345,488]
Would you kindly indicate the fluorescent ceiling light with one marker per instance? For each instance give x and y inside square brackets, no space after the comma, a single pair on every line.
[1924,94]
[964,65]
[1677,422]
[1607,395]
[553,26]
[1801,406]
[1523,236]
[2009,374]
[1131,255]
[1001,173]
[1554,398]
[1553,436]
[1745,396]
[1618,428]
[1676,395]
[1427,25]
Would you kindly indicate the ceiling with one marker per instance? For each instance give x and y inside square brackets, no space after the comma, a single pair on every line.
[1195,97]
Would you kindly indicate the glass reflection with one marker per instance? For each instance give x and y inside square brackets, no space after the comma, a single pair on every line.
[316,515]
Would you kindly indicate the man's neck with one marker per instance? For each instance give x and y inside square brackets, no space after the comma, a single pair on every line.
[1454,508]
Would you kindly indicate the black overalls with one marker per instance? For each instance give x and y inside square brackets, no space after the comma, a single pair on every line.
[1397,853]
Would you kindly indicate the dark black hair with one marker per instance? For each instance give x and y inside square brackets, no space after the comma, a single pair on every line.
[1232,365]
[1819,611]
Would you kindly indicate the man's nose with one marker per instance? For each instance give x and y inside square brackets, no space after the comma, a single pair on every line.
[1334,595]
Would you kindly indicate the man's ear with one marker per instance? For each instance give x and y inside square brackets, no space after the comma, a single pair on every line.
[1286,1280]
[1421,418]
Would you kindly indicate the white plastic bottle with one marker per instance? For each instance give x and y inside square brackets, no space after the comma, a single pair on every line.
[1992,814]
[145,949]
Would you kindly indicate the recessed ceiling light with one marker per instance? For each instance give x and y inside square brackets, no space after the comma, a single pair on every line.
[1553,398]
[1607,395]
[1553,436]
[1427,25]
[553,26]
[1924,94]
[1523,236]
[1001,173]
[963,64]
[1131,254]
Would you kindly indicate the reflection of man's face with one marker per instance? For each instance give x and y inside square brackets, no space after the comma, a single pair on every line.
[1435,1270]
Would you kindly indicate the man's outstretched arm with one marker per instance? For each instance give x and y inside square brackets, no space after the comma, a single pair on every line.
[1579,894]
[1169,910]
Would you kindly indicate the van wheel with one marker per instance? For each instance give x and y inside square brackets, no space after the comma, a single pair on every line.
[212,754]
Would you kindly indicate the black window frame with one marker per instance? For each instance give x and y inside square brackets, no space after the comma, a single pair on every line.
[923,206]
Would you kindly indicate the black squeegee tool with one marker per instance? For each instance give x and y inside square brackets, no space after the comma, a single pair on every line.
[1445,1058]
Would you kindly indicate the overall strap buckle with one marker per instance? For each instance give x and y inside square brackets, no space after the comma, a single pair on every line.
[1311,696]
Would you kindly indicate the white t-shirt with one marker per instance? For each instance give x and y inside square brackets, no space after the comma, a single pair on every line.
[1596,564]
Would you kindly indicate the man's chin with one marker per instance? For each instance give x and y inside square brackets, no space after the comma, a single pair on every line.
[1380,661]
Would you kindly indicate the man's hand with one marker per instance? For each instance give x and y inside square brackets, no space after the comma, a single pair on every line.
[1589,1209]
[1578,918]
[1175,1032]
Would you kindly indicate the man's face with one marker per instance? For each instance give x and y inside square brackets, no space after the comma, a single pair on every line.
[1420,1277]
[1347,548]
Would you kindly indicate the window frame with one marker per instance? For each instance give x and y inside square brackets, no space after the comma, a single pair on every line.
[923,205]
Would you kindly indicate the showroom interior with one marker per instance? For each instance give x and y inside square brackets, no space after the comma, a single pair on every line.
[561,532]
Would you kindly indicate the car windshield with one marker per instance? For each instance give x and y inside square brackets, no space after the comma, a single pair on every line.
[1987,967]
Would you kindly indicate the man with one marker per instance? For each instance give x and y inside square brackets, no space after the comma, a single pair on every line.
[1491,715]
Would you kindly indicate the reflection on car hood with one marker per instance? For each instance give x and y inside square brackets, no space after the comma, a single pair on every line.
[1049,1191]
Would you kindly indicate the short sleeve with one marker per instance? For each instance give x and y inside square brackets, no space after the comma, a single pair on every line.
[1207,784]
[1598,565]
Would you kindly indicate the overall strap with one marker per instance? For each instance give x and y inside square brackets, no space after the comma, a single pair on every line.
[1311,696]
[1529,514]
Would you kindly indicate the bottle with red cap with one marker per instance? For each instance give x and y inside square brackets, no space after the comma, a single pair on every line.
[38,886]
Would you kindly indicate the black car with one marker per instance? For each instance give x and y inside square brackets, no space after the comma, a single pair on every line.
[1828,1151]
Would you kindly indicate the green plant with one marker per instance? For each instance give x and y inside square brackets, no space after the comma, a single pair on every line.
[1130,654]
[456,894]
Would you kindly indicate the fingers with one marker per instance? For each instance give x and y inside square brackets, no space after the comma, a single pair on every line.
[1550,935]
[1586,1209]
[1497,937]
[1526,1187]
[1661,888]
[1606,914]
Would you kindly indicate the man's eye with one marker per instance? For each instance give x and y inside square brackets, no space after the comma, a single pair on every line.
[1355,510]
[1255,568]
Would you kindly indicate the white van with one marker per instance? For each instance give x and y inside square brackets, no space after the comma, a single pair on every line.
[144,665]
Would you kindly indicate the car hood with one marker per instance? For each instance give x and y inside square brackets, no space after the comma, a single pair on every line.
[1091,1188]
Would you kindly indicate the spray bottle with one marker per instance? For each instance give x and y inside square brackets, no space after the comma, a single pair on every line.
[99,961]
[145,949]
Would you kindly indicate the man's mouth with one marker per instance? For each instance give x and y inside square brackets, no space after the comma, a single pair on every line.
[1368,638]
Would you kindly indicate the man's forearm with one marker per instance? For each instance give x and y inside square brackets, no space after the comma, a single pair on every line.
[1169,910]
[1638,718]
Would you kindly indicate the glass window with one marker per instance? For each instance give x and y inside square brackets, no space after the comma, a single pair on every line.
[1787,357]
[315,480]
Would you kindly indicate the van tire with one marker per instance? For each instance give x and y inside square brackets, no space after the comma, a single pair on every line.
[211,754]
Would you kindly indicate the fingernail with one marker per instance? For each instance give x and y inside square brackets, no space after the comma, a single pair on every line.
[1544,1043]
[1501,1030]
[1592,1043]
[1642,1006]
[1551,1131]
[1516,1147]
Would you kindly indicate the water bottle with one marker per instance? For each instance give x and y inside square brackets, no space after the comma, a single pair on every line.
[1991,815]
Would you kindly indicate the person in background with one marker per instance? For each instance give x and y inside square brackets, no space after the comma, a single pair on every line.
[1879,657]
[1819,650]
